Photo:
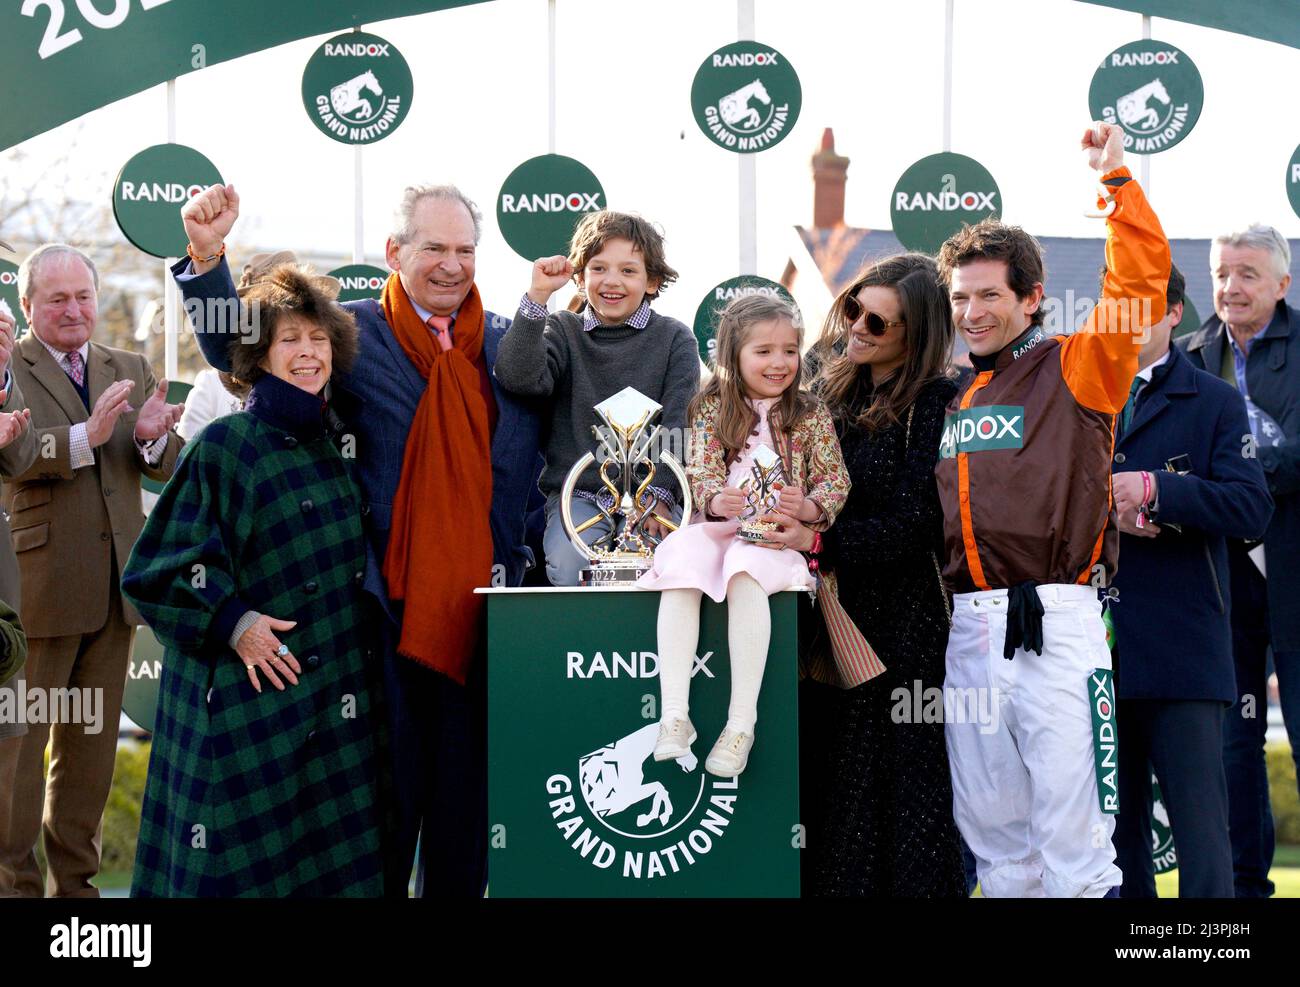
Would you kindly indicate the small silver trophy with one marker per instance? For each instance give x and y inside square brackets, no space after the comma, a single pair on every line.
[625,552]
[762,490]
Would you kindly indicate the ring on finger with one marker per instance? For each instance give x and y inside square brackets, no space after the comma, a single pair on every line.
[282,650]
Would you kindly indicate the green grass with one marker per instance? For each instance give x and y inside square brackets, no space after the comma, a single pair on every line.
[1285,879]
[114,880]
[1286,856]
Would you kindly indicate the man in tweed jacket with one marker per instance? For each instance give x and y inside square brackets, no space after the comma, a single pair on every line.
[101,421]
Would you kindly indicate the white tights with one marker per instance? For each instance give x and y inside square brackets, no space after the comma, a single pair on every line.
[749,629]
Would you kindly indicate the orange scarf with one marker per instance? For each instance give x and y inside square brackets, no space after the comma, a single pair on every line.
[441,540]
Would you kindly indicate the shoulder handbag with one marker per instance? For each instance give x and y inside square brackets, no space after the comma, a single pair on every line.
[833,650]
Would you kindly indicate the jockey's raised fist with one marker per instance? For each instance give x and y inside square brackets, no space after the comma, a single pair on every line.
[1104,145]
[209,216]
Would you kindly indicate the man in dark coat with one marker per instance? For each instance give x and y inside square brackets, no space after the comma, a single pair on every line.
[1253,342]
[1170,604]
[439,733]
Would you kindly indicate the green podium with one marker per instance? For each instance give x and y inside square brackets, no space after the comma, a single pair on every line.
[577,805]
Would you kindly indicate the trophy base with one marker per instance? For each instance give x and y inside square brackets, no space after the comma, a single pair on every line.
[615,572]
[758,531]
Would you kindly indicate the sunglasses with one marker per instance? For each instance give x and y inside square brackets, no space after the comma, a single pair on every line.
[875,324]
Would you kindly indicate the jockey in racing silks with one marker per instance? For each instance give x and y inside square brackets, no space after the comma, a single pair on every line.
[1024,477]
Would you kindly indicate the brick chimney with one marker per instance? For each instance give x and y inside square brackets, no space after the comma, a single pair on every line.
[829,173]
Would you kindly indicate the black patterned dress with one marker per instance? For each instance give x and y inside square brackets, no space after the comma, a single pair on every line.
[878,796]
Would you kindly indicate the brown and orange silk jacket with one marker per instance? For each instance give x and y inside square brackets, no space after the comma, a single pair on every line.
[1024,461]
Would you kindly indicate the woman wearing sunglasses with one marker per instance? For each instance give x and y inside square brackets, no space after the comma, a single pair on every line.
[877,771]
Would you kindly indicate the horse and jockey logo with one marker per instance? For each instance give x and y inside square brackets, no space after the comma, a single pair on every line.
[737,110]
[357,88]
[612,778]
[1152,91]
[746,97]
[641,818]
[1136,112]
[347,100]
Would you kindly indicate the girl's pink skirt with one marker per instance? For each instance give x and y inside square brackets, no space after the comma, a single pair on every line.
[706,555]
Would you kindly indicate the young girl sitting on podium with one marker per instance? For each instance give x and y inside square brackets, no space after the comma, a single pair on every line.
[753,403]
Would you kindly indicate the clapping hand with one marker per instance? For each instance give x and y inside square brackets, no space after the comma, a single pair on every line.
[12,423]
[8,326]
[157,417]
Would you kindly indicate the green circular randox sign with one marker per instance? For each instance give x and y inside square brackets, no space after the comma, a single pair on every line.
[542,201]
[937,195]
[712,304]
[1152,90]
[1293,181]
[9,292]
[746,97]
[358,281]
[150,190]
[357,88]
[140,697]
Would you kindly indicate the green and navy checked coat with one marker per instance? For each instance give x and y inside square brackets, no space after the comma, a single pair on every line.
[270,794]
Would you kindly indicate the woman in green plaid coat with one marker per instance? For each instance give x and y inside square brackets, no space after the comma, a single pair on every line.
[262,779]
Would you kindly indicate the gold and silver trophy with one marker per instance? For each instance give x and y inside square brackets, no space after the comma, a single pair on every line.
[626,440]
[762,491]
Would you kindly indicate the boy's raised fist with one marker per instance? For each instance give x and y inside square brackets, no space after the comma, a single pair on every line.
[550,274]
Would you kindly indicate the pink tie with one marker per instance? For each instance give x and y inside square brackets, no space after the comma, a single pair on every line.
[441,325]
[75,369]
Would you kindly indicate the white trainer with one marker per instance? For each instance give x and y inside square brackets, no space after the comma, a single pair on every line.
[730,754]
[675,739]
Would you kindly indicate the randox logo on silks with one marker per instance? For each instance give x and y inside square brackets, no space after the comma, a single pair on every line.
[1105,741]
[712,304]
[358,281]
[1293,180]
[994,426]
[939,194]
[357,88]
[150,190]
[542,200]
[746,97]
[620,810]
[1152,90]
